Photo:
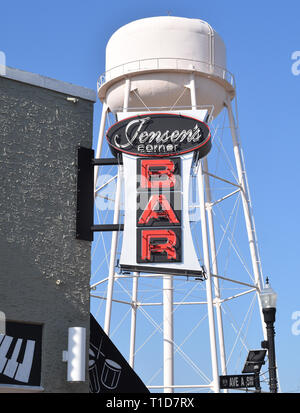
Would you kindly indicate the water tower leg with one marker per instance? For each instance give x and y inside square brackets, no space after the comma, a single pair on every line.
[192,88]
[168,333]
[126,94]
[133,318]
[113,252]
[215,269]
[100,140]
[210,306]
[246,206]
[114,239]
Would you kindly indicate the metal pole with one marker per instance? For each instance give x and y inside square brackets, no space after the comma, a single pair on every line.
[215,269]
[269,317]
[168,333]
[100,141]
[257,382]
[192,87]
[210,307]
[246,206]
[113,251]
[114,239]
[126,94]
[133,318]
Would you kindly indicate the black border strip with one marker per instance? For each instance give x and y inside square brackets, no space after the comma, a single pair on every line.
[162,270]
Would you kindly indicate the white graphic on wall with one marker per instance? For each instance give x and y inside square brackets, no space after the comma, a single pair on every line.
[16,357]
[110,374]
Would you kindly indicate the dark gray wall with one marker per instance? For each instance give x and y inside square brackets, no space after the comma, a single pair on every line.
[44,270]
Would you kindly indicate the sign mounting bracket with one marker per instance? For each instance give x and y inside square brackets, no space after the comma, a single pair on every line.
[85,227]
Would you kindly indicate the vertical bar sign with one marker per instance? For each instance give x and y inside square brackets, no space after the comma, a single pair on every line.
[158,150]
[158,218]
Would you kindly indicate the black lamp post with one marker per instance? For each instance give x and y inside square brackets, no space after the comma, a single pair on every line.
[268,299]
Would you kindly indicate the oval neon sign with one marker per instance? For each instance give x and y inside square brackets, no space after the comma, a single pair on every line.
[159,134]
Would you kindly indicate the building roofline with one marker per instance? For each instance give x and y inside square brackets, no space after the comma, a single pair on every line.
[49,83]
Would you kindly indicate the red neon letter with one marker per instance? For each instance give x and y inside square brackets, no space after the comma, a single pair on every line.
[149,246]
[166,212]
[157,173]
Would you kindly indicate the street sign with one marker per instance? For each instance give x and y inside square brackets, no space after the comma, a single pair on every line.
[237,381]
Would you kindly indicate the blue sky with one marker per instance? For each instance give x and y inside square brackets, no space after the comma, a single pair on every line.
[66,40]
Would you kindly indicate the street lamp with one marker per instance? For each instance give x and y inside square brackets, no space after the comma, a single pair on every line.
[268,299]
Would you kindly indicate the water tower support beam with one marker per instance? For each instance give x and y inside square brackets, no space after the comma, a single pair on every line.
[192,87]
[168,333]
[133,318]
[210,307]
[100,141]
[113,252]
[114,239]
[126,94]
[214,267]
[246,206]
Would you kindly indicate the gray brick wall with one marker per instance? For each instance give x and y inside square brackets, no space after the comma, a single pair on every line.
[44,270]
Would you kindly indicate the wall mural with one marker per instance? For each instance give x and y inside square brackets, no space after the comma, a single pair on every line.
[108,370]
[20,354]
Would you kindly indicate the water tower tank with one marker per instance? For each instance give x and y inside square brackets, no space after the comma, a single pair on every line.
[158,55]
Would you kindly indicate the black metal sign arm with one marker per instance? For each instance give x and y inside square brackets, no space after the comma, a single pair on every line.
[85,194]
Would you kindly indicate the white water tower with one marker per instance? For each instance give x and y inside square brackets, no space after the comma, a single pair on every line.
[160,57]
[176,64]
